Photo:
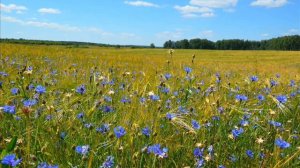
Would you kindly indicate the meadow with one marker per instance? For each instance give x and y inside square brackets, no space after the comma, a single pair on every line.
[107,107]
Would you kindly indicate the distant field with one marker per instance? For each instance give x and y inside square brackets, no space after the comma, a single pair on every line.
[228,108]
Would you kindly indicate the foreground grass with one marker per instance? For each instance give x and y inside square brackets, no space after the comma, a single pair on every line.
[205,110]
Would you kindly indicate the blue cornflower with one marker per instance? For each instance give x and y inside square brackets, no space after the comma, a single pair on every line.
[31,87]
[29,102]
[282,144]
[292,83]
[187,70]
[221,110]
[275,123]
[165,90]
[250,154]
[237,132]
[9,109]
[119,131]
[200,163]
[244,123]
[241,98]
[49,117]
[10,160]
[254,78]
[83,150]
[157,151]
[198,153]
[170,116]
[108,163]
[1,84]
[30,68]
[80,115]
[143,100]
[3,74]
[81,89]
[107,109]
[107,98]
[261,97]
[215,118]
[104,128]
[88,125]
[146,131]
[40,89]
[15,91]
[182,109]
[125,100]
[273,83]
[282,99]
[261,155]
[196,125]
[154,97]
[46,165]
[168,76]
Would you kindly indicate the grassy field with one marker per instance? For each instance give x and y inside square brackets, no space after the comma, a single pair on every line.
[93,107]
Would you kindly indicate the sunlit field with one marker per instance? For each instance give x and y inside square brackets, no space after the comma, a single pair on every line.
[106,107]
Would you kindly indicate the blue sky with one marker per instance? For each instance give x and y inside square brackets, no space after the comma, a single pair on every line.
[150,21]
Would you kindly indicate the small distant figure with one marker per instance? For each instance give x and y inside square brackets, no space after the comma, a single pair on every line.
[194,56]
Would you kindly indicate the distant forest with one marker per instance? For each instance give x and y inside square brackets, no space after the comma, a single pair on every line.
[280,43]
[67,43]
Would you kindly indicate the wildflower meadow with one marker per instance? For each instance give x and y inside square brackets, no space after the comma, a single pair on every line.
[103,107]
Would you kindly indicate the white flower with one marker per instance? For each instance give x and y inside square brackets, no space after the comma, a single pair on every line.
[151,93]
[111,92]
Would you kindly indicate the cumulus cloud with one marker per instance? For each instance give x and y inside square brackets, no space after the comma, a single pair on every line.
[269,3]
[194,11]
[48,25]
[141,3]
[12,7]
[166,35]
[292,32]
[49,11]
[214,3]
[205,8]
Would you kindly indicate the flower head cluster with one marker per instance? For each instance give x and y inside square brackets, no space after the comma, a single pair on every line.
[40,89]
[119,131]
[108,163]
[282,144]
[11,160]
[46,165]
[83,150]
[158,151]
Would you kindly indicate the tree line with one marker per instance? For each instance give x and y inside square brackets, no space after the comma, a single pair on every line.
[74,44]
[279,43]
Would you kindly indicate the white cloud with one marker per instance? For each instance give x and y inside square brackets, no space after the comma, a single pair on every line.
[84,32]
[292,32]
[206,34]
[49,11]
[167,35]
[12,7]
[265,35]
[99,31]
[48,25]
[141,3]
[205,8]
[214,3]
[194,11]
[269,3]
